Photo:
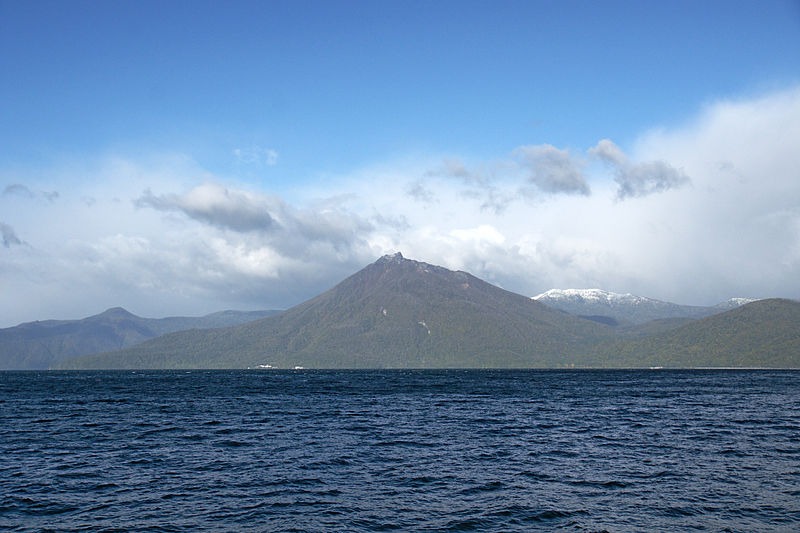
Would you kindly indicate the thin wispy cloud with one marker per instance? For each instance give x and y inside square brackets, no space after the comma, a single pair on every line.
[420,193]
[454,168]
[255,155]
[17,189]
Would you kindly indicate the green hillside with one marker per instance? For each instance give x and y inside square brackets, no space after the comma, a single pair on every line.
[395,313]
[40,345]
[764,333]
[398,313]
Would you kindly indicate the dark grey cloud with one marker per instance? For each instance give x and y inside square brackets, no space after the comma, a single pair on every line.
[638,179]
[217,206]
[291,232]
[17,189]
[8,234]
[553,170]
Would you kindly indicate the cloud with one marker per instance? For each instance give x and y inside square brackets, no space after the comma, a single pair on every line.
[218,206]
[454,168]
[219,247]
[256,156]
[420,193]
[639,179]
[553,170]
[493,199]
[289,231]
[476,184]
[9,236]
[187,247]
[734,232]
[17,189]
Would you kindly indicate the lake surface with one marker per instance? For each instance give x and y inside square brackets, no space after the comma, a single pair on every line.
[400,450]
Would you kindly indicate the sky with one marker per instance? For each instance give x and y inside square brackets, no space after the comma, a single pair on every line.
[180,158]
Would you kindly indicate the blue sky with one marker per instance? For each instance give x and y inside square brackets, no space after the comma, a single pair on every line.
[468,134]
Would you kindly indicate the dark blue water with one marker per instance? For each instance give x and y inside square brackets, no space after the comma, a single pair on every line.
[398,450]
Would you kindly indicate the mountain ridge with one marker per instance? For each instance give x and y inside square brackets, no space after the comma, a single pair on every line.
[394,313]
[628,308]
[401,313]
[763,333]
[38,345]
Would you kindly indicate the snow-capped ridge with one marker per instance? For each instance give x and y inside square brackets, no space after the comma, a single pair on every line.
[732,303]
[591,295]
[627,308]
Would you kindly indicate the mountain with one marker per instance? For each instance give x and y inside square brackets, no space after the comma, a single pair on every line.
[395,313]
[399,313]
[763,333]
[40,345]
[626,308]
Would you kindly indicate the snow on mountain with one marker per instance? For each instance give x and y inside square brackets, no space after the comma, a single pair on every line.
[626,308]
[734,303]
[592,295]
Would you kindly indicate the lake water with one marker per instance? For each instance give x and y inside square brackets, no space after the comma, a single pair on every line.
[400,450]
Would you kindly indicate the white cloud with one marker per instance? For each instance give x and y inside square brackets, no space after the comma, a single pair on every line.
[256,155]
[188,248]
[197,243]
[733,228]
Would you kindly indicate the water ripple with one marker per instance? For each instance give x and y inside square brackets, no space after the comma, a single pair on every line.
[586,451]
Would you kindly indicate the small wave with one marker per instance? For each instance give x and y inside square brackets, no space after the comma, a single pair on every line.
[675,511]
[552,514]
[470,524]
[485,487]
[612,484]
[537,476]
[229,443]
[31,507]
[789,451]
[660,474]
[404,443]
